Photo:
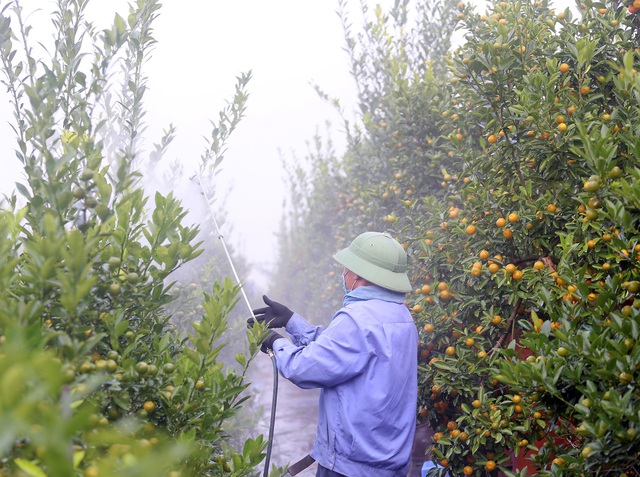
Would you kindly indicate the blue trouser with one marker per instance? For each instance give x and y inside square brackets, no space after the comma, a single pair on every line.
[324,472]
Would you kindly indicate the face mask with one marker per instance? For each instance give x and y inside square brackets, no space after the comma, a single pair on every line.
[344,284]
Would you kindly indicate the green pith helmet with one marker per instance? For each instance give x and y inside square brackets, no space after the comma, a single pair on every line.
[378,258]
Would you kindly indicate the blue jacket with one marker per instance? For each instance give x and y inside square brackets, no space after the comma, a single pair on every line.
[365,363]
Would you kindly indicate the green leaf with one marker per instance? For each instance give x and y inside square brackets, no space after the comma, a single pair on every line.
[443,366]
[121,328]
[585,49]
[23,190]
[78,456]
[30,468]
[120,24]
[193,356]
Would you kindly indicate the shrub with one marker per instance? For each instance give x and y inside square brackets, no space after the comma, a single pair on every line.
[95,381]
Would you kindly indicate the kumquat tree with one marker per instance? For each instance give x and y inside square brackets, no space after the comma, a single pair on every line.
[530,328]
[95,380]
[512,176]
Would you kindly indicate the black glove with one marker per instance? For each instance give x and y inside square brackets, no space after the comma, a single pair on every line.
[275,314]
[267,344]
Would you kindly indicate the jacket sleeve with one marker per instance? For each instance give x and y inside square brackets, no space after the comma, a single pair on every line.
[338,353]
[301,331]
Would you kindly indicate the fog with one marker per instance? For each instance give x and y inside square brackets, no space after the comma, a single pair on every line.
[202,47]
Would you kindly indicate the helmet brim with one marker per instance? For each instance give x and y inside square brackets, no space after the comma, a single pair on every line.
[395,281]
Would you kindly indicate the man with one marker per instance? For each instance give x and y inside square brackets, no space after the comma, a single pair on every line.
[364,362]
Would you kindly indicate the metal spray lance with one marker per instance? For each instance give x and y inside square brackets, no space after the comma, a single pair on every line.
[224,245]
[246,300]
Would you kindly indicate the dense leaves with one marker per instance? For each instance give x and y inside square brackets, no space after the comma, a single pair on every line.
[95,379]
[512,178]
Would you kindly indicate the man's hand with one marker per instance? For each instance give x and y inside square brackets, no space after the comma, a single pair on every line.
[267,344]
[275,315]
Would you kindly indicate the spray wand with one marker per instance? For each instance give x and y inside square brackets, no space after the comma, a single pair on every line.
[274,397]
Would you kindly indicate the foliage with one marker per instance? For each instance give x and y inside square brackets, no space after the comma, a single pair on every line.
[95,381]
[333,201]
[528,236]
[513,182]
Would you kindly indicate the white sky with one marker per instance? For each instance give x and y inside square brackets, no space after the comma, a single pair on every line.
[202,46]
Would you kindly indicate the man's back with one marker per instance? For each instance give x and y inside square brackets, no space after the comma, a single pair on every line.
[366,364]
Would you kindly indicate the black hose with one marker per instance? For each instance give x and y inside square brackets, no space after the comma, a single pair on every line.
[272,422]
